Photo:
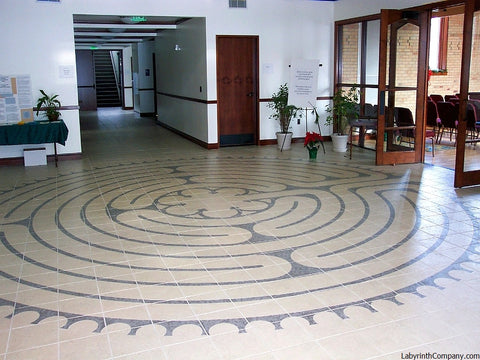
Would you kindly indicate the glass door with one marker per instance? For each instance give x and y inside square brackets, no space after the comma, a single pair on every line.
[402,80]
[467,165]
[356,59]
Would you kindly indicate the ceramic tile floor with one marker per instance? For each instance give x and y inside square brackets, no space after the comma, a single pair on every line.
[151,247]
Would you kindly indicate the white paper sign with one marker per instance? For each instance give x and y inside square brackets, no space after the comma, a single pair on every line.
[302,88]
[66,71]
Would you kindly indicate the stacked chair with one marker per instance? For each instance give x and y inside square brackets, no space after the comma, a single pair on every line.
[448,115]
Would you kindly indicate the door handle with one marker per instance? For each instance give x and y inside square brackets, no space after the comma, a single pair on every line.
[250,94]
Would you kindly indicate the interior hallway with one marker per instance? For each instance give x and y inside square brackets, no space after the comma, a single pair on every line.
[151,247]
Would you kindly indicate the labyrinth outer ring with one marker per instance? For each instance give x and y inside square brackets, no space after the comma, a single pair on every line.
[196,242]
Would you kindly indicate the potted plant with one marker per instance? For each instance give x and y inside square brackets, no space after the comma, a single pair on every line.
[344,108]
[284,113]
[312,142]
[50,105]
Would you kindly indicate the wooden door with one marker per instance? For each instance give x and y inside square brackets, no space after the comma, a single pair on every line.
[87,96]
[237,90]
[402,81]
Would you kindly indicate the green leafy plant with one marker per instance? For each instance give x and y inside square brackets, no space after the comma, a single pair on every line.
[283,112]
[344,108]
[50,105]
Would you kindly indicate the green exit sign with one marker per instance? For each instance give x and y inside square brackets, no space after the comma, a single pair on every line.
[138,19]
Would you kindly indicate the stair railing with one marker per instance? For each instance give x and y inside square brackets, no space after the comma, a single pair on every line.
[116,70]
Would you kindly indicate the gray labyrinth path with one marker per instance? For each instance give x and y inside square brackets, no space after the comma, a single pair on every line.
[228,240]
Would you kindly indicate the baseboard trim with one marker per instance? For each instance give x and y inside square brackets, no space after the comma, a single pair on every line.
[189,137]
[50,158]
[294,140]
[147,114]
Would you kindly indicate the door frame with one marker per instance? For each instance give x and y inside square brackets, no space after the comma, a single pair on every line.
[399,18]
[462,177]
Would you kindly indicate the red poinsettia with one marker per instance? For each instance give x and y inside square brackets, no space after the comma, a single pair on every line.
[312,140]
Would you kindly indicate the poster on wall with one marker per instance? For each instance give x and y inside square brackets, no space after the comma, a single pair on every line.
[15,99]
[302,89]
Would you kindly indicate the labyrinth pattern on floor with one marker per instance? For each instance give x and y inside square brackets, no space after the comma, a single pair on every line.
[209,241]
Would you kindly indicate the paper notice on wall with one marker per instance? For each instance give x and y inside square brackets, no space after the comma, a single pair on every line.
[3,111]
[302,89]
[15,99]
[5,85]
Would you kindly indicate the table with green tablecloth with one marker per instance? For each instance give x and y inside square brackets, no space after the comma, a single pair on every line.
[37,132]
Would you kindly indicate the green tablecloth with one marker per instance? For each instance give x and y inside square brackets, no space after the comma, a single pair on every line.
[37,132]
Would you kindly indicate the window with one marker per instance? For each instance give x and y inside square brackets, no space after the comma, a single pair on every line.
[438,44]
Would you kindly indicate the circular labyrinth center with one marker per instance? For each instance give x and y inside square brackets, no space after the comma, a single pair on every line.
[225,241]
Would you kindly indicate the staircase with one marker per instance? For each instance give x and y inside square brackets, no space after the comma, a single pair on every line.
[107,92]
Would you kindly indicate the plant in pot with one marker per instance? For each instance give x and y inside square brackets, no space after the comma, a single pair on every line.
[49,104]
[284,113]
[312,142]
[344,108]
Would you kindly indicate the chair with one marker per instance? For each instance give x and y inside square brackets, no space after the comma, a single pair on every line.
[454,101]
[448,115]
[404,118]
[432,118]
[366,122]
[450,97]
[436,98]
[430,134]
[369,111]
[473,122]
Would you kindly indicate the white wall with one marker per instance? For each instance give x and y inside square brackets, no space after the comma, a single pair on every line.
[143,67]
[127,78]
[183,74]
[38,40]
[287,29]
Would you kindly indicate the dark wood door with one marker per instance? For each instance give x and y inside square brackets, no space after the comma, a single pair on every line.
[87,96]
[237,95]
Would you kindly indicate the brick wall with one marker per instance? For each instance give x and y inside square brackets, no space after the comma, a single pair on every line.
[475,63]
[407,57]
[350,53]
[407,65]
[449,83]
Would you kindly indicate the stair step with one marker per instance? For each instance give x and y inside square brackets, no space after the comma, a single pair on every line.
[106,85]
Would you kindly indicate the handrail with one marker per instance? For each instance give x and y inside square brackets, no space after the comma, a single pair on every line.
[115,67]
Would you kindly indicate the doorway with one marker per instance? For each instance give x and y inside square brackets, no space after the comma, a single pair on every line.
[99,78]
[237,90]
[402,69]
[401,84]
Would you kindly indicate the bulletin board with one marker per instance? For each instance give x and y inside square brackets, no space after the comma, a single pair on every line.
[15,99]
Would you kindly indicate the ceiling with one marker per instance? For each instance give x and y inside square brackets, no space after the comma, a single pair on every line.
[116,32]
